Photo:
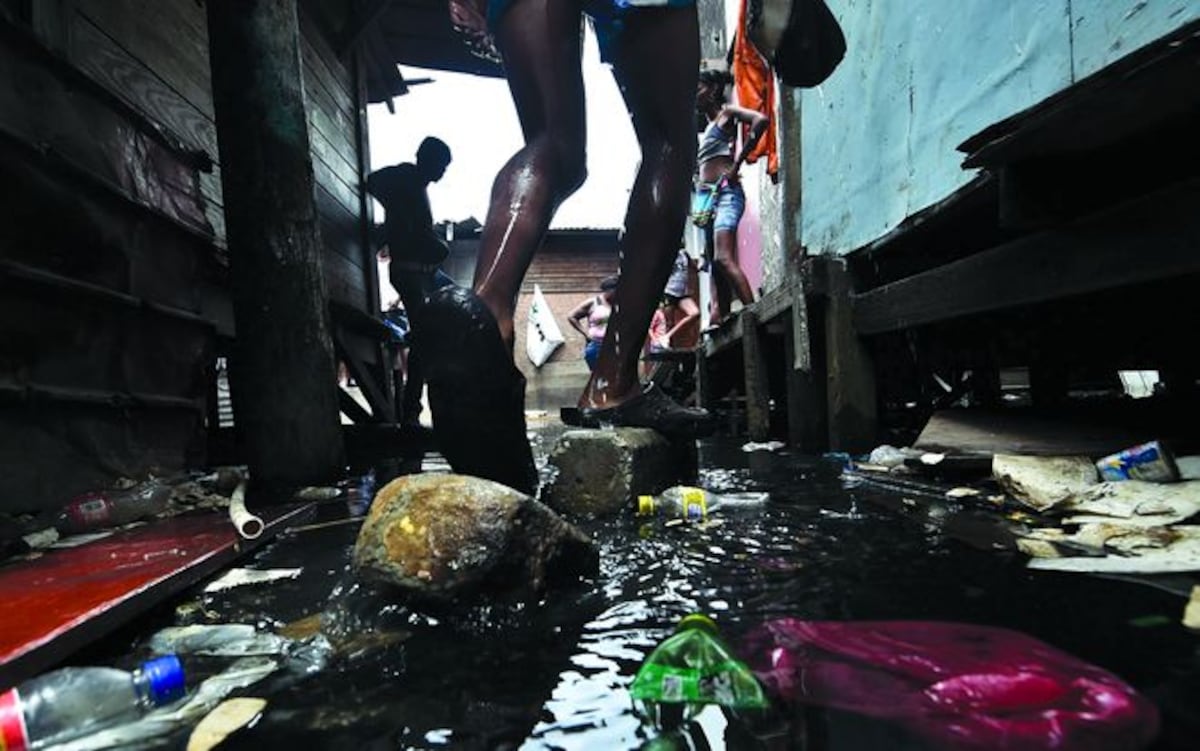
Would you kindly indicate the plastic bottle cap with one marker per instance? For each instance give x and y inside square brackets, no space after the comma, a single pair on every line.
[645,505]
[697,620]
[165,675]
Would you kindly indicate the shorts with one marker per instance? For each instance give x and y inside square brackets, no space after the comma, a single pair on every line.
[728,208]
[591,353]
[677,283]
[607,17]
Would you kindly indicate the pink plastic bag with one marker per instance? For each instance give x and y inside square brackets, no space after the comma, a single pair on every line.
[957,686]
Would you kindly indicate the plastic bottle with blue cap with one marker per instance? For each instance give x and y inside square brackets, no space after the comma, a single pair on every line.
[72,702]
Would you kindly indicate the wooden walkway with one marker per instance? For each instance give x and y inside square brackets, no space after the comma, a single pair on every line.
[68,597]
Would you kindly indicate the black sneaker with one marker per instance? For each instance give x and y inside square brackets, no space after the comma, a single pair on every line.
[476,393]
[652,409]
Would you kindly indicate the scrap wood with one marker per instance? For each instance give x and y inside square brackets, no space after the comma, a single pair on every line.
[1142,551]
[229,716]
[1191,613]
[1043,482]
[1137,503]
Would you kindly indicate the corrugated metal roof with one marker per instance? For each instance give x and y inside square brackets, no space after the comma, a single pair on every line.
[418,33]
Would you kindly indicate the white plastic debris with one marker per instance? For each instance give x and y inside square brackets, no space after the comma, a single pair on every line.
[247,524]
[42,538]
[889,456]
[962,492]
[220,639]
[766,446]
[239,577]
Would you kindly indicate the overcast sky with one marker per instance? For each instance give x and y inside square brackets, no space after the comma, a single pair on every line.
[475,116]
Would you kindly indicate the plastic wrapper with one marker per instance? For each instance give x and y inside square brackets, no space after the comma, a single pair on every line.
[957,686]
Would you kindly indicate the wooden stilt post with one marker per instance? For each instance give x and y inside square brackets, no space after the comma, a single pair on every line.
[758,395]
[285,392]
[805,397]
[850,373]
[805,392]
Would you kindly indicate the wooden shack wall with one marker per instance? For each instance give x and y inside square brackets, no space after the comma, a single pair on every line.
[155,55]
[113,270]
[880,135]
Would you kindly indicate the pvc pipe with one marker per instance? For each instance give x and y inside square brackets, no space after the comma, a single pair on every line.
[247,524]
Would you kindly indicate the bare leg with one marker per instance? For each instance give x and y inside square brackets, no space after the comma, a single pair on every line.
[686,311]
[540,42]
[656,69]
[730,271]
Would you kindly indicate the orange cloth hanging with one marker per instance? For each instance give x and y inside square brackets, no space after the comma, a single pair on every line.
[754,82]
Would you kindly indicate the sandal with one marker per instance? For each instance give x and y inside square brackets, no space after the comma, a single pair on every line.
[652,408]
[476,393]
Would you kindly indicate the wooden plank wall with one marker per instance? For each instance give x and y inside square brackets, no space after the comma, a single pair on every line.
[154,55]
[113,288]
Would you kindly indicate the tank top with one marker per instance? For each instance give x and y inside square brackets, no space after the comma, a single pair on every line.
[717,142]
[598,319]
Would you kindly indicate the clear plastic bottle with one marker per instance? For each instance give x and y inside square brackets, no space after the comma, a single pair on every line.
[112,508]
[72,702]
[694,504]
[691,669]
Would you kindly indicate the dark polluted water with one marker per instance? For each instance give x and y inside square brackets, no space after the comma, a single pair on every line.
[555,674]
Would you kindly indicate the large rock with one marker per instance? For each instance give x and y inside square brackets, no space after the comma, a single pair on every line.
[444,537]
[600,472]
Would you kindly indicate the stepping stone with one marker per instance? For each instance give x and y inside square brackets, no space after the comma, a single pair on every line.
[601,472]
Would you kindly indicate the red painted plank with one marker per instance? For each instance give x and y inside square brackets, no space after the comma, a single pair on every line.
[60,601]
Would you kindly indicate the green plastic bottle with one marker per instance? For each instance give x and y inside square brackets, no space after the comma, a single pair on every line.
[693,667]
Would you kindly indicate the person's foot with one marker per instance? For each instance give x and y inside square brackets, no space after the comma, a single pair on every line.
[652,409]
[476,393]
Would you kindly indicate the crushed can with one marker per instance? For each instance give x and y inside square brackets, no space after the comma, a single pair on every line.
[1150,462]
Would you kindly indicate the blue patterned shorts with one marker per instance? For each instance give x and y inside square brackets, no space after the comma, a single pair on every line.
[607,17]
[728,207]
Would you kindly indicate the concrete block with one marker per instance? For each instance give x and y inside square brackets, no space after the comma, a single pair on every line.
[601,472]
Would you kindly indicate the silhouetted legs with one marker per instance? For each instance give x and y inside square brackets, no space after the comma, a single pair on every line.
[656,68]
[541,44]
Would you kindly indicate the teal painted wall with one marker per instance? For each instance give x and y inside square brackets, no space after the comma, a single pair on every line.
[879,137]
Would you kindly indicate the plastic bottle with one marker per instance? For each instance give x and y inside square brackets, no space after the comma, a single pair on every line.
[112,508]
[693,668]
[694,504]
[72,702]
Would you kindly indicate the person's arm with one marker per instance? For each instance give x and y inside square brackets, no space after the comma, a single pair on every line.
[691,312]
[579,312]
[758,125]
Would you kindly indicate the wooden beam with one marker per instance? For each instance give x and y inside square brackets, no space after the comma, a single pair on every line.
[1154,237]
[850,373]
[75,289]
[365,15]
[352,409]
[284,388]
[70,597]
[805,396]
[720,339]
[376,394]
[754,369]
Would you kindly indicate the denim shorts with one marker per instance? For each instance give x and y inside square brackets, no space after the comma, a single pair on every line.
[607,17]
[729,206]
